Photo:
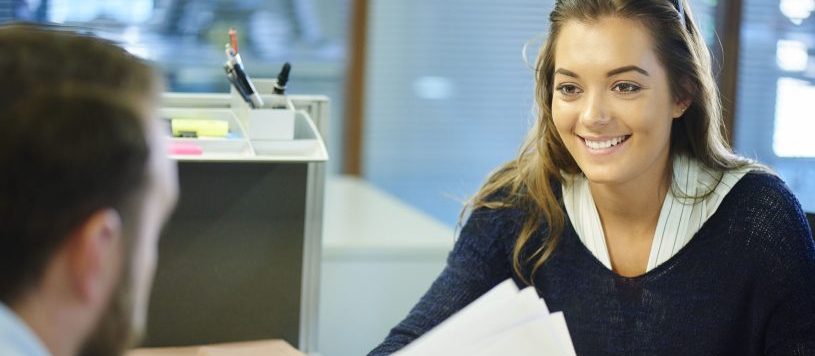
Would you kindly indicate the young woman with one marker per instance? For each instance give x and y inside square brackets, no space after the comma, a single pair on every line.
[626,208]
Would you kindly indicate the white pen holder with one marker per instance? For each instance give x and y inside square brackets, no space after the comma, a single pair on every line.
[274,121]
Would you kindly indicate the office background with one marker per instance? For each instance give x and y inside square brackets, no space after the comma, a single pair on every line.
[427,97]
[445,94]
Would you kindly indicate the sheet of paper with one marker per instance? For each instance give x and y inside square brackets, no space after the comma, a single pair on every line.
[500,309]
[531,338]
[562,332]
[503,320]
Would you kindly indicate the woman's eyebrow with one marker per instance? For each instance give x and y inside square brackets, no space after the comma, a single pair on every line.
[627,69]
[609,74]
[567,72]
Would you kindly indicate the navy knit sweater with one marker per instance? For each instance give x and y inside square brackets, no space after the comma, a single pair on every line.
[744,285]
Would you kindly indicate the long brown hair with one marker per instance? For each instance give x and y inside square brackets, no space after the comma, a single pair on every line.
[528,182]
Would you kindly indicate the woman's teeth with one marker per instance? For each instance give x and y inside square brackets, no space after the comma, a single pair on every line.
[599,145]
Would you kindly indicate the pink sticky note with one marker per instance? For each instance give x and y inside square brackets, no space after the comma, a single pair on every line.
[178,148]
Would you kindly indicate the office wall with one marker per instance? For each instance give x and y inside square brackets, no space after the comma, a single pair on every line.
[449,94]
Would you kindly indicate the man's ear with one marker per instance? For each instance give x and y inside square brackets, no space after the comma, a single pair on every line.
[95,256]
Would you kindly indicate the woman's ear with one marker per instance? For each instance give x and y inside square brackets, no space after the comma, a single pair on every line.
[684,100]
[679,108]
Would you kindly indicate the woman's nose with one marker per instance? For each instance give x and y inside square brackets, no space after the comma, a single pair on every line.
[595,111]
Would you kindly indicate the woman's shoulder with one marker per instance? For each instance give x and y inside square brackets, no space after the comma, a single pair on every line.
[768,218]
[500,215]
[761,191]
[498,210]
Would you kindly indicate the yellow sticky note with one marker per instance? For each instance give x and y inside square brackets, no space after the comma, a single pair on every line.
[199,128]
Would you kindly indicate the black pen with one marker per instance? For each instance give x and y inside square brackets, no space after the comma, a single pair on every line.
[243,79]
[282,79]
[239,79]
[232,77]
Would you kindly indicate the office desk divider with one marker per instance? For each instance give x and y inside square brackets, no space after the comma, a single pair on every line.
[240,258]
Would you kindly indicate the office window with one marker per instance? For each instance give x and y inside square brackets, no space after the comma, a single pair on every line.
[449,96]
[186,38]
[775,117]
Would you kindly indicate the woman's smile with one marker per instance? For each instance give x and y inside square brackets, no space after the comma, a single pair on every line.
[604,145]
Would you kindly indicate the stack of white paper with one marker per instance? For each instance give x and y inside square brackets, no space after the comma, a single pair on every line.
[504,321]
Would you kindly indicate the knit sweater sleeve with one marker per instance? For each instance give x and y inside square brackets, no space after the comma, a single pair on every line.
[787,256]
[478,262]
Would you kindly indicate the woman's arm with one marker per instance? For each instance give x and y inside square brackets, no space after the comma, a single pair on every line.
[786,253]
[478,262]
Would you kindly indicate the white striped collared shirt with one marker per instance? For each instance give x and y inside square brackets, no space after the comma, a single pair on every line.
[680,218]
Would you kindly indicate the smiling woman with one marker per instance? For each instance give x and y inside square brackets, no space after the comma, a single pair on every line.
[613,109]
[611,99]
[626,208]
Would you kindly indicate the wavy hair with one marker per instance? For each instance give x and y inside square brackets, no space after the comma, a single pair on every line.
[529,181]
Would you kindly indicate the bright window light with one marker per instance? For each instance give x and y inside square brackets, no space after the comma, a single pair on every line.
[433,88]
[792,55]
[125,11]
[794,120]
[797,10]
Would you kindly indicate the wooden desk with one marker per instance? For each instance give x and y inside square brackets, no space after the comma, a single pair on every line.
[249,348]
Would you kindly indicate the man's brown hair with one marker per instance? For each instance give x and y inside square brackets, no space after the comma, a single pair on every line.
[72,142]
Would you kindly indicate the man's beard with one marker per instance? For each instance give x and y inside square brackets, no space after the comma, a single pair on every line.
[114,333]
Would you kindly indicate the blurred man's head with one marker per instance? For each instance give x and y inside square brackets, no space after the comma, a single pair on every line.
[84,190]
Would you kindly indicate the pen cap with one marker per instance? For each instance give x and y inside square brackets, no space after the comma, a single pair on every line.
[282,79]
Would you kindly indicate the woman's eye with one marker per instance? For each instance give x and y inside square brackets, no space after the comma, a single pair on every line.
[626,88]
[568,89]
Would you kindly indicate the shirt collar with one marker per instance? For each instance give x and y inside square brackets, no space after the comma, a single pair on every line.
[687,206]
[16,337]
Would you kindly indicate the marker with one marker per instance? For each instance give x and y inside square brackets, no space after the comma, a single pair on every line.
[282,79]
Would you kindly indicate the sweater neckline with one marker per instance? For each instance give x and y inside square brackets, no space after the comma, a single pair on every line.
[694,196]
[666,265]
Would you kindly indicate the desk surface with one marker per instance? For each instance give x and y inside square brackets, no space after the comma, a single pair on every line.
[250,348]
[363,220]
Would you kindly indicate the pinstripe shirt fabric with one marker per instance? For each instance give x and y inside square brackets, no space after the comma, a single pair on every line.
[685,209]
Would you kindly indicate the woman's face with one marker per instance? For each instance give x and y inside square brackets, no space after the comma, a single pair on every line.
[612,104]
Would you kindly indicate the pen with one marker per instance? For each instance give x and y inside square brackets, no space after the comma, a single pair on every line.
[243,79]
[231,76]
[233,39]
[229,68]
[282,79]
[238,77]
